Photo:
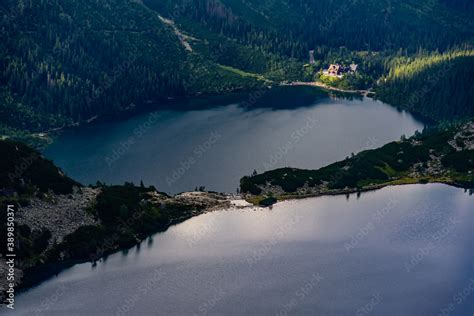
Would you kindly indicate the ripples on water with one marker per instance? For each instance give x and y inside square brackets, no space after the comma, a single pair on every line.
[397,251]
[178,150]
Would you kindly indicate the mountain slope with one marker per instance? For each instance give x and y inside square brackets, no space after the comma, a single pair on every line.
[63,62]
[24,170]
[67,61]
[292,28]
[436,86]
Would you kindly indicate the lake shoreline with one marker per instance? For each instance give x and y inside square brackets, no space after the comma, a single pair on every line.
[39,274]
[151,106]
[440,155]
[307,113]
[365,93]
[59,257]
[254,200]
[306,105]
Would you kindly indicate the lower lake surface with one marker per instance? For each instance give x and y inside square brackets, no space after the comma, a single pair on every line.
[398,251]
[178,151]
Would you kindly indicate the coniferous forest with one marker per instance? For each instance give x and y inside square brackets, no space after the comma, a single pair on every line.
[185,98]
[65,62]
[436,86]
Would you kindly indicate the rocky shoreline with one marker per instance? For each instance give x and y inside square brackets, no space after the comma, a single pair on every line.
[63,215]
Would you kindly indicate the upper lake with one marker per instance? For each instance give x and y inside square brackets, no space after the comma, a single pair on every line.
[177,150]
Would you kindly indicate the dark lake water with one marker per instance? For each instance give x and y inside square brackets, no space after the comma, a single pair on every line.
[397,251]
[214,147]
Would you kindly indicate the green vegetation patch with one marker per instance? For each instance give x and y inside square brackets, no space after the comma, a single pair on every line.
[388,164]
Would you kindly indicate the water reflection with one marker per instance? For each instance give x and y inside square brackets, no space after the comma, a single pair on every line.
[179,150]
[403,250]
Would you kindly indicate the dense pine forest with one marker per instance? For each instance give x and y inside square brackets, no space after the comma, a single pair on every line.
[437,86]
[292,28]
[64,62]
[67,61]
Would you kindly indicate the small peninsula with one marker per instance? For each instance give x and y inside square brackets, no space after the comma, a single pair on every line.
[436,155]
[60,222]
